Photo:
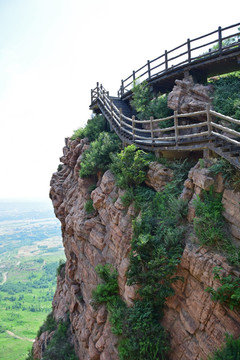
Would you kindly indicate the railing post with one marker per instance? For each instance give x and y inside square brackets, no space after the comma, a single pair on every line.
[189,50]
[149,69]
[97,89]
[209,120]
[176,126]
[120,118]
[220,39]
[134,77]
[103,92]
[133,126]
[111,108]
[122,88]
[166,60]
[151,128]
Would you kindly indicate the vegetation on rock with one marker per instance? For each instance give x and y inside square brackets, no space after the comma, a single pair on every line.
[229,351]
[94,127]
[146,105]
[98,156]
[229,291]
[226,96]
[60,347]
[156,249]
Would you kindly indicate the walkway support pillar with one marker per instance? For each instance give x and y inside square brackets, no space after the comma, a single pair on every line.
[176,126]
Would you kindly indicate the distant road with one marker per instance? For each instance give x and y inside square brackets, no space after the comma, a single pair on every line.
[19,337]
[4,278]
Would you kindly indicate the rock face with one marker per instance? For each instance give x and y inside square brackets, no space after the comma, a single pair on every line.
[89,240]
[187,96]
[196,324]
[158,176]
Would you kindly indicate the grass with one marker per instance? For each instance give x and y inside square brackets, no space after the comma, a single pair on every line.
[13,349]
[23,311]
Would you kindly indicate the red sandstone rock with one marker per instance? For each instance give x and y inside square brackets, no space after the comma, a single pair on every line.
[196,324]
[158,176]
[187,96]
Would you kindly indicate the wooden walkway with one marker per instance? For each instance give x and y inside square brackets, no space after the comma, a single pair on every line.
[215,132]
[212,54]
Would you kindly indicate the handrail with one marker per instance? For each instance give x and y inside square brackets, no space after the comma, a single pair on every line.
[223,41]
[130,129]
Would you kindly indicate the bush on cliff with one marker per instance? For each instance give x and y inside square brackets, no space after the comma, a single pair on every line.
[60,347]
[226,98]
[48,325]
[229,351]
[210,228]
[98,156]
[229,291]
[146,105]
[129,166]
[155,252]
[106,291]
[94,127]
[208,223]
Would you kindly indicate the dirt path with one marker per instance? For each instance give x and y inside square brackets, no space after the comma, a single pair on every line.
[19,337]
[4,278]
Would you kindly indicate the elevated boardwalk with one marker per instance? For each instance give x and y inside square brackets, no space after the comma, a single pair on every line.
[212,54]
[215,132]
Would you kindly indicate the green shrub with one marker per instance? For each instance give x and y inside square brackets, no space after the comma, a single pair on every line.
[144,336]
[209,222]
[129,167]
[106,291]
[61,268]
[98,156]
[94,127]
[139,195]
[226,98]
[141,98]
[229,351]
[89,206]
[48,325]
[230,174]
[156,249]
[224,167]
[229,291]
[92,187]
[60,347]
[30,355]
[147,105]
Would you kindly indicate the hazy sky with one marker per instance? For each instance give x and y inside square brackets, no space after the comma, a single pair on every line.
[52,52]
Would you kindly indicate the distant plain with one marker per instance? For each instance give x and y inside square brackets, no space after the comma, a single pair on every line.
[30,250]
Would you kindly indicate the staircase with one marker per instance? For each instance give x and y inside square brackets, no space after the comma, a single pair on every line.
[229,152]
[212,133]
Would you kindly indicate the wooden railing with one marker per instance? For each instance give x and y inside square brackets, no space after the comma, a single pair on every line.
[222,40]
[148,133]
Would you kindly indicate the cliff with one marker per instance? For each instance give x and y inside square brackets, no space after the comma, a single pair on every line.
[197,325]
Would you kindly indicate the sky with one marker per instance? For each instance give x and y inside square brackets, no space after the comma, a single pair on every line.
[52,52]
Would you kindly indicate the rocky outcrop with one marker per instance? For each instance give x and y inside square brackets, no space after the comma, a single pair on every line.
[231,201]
[196,324]
[188,96]
[89,240]
[41,343]
[158,176]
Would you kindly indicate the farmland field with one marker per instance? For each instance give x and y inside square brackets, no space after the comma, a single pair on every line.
[30,250]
